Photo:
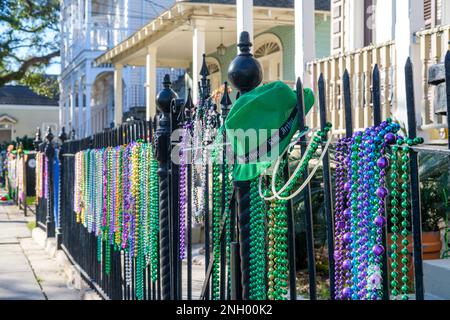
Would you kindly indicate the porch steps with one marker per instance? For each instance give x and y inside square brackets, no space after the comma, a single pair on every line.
[436,277]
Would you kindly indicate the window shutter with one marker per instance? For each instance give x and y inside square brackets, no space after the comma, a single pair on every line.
[432,11]
[428,13]
[337,26]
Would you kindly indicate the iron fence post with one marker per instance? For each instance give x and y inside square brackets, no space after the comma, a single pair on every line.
[225,109]
[50,154]
[162,147]
[175,112]
[307,198]
[415,188]
[245,73]
[62,137]
[327,188]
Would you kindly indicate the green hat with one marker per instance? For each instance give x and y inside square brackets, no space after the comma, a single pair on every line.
[266,108]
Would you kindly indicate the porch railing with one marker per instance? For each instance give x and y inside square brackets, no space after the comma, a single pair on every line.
[359,64]
[434,44]
[226,213]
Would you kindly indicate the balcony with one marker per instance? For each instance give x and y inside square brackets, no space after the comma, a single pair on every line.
[359,64]
[434,44]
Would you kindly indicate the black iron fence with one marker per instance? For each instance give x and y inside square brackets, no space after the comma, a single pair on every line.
[187,191]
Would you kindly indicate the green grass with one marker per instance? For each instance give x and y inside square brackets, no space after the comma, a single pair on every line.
[31,225]
[31,200]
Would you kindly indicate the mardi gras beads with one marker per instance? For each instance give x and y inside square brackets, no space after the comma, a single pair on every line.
[257,242]
[343,263]
[360,249]
[216,230]
[394,221]
[183,186]
[154,217]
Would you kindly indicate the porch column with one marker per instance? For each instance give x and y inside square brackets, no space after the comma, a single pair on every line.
[384,20]
[72,105]
[198,49]
[354,11]
[88,23]
[304,37]
[410,19]
[118,68]
[88,91]
[67,106]
[81,124]
[244,18]
[445,12]
[150,86]
[61,104]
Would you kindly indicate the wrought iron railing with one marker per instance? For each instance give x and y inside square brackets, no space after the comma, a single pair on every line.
[225,212]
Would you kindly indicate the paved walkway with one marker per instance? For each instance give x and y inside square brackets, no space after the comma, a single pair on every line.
[27,272]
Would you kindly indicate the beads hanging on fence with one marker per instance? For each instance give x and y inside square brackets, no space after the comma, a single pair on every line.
[361,198]
[116,198]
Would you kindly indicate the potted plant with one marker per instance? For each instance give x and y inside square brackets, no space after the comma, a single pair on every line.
[433,172]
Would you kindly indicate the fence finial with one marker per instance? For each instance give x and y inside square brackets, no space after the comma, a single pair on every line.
[37,141]
[245,72]
[63,135]
[49,135]
[165,96]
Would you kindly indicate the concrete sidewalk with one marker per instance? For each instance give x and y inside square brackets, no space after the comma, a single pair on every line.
[27,271]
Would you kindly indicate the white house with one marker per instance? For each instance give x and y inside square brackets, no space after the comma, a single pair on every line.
[88,28]
[385,32]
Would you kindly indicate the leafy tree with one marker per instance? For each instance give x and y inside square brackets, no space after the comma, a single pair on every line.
[29,42]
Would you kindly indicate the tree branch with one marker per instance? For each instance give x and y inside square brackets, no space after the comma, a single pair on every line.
[26,65]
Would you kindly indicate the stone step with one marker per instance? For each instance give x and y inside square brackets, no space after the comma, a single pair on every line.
[437,279]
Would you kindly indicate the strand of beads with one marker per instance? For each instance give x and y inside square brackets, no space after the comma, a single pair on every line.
[154,217]
[216,231]
[394,222]
[183,190]
[257,242]
[360,248]
[341,220]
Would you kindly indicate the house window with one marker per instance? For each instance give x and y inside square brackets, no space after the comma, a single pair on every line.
[269,54]
[369,19]
[432,13]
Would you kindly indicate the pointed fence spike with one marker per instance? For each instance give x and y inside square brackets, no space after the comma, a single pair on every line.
[204,70]
[226,101]
[376,101]
[347,105]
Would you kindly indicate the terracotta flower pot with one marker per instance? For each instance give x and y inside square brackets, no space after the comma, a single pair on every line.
[431,250]
[431,245]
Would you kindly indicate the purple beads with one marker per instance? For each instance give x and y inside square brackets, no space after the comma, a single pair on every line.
[383,163]
[390,138]
[382,192]
[378,250]
[380,221]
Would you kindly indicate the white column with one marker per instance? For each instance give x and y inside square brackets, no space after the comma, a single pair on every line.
[150,85]
[384,20]
[304,38]
[354,24]
[67,106]
[61,104]
[198,49]
[72,106]
[88,23]
[244,18]
[445,12]
[88,90]
[409,19]
[81,124]
[118,94]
